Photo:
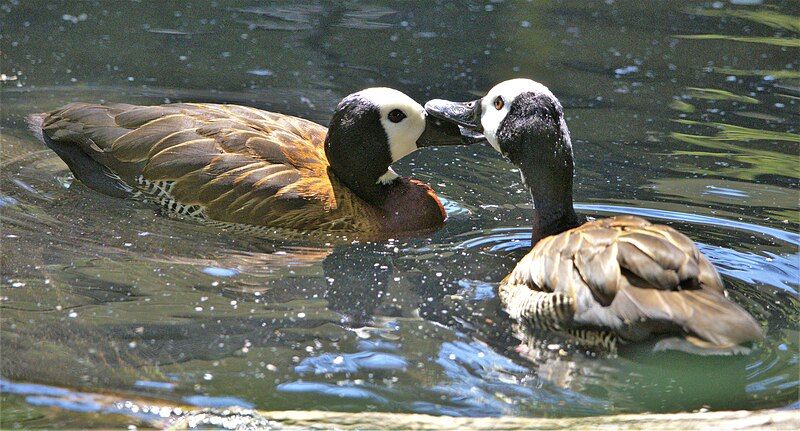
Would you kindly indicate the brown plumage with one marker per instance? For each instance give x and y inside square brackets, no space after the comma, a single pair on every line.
[229,165]
[632,277]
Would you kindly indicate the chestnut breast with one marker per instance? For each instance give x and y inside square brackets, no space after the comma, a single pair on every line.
[412,206]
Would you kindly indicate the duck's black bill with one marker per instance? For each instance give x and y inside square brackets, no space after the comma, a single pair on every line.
[466,115]
[441,133]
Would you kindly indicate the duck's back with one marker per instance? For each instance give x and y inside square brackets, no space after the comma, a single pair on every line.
[634,278]
[223,163]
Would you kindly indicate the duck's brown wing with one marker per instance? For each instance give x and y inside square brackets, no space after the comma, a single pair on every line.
[636,278]
[236,164]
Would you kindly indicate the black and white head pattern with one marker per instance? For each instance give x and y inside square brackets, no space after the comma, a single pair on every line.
[403,121]
[496,105]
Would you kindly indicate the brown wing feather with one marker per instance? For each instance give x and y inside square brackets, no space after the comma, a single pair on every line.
[636,278]
[240,164]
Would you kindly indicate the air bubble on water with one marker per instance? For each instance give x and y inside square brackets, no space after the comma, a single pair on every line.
[220,272]
[626,70]
[74,19]
[261,72]
[307,101]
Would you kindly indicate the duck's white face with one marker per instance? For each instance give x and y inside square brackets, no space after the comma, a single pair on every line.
[496,104]
[402,118]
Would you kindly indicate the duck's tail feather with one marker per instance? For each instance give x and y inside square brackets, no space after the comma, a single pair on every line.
[708,319]
[35,124]
[89,171]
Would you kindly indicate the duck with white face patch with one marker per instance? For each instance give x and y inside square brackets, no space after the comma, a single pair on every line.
[602,282]
[252,170]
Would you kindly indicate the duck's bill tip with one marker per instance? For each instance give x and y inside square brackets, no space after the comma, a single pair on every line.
[466,114]
[439,132]
[462,118]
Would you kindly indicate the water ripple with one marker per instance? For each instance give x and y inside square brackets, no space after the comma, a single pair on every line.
[351,363]
[211,401]
[788,237]
[328,389]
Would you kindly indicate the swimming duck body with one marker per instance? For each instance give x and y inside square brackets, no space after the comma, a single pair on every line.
[242,167]
[602,281]
[627,275]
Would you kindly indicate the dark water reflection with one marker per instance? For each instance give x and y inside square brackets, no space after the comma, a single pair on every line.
[683,112]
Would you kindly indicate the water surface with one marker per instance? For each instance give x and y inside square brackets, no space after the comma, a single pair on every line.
[682,112]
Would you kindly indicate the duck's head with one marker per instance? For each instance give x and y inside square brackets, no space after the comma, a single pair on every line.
[520,118]
[373,128]
[524,121]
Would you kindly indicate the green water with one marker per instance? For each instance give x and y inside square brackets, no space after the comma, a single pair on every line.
[683,112]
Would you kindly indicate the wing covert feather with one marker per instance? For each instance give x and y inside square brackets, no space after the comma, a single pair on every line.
[635,277]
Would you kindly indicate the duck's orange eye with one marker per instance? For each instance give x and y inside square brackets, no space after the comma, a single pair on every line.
[498,103]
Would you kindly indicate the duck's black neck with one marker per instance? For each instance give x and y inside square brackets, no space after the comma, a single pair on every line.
[365,187]
[360,176]
[553,211]
[536,139]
